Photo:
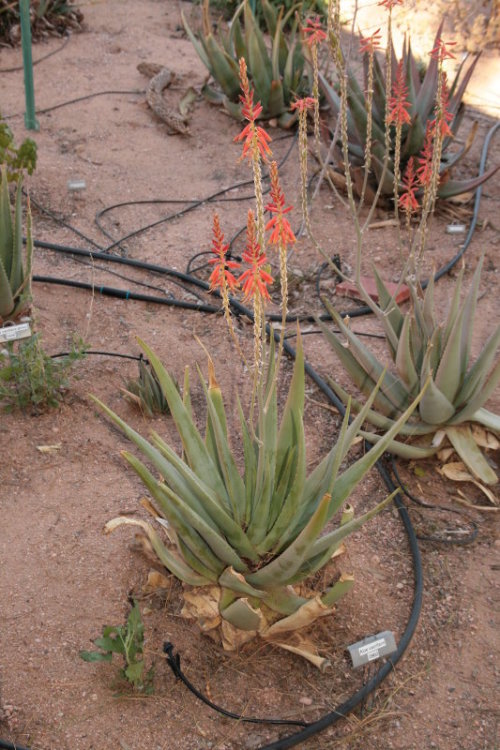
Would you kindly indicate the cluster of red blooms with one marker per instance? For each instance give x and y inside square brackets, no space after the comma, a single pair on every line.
[256,139]
[313,32]
[370,44]
[398,103]
[256,278]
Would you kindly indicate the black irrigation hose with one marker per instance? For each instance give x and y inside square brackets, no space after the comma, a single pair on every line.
[110,291]
[174,662]
[467,539]
[9,746]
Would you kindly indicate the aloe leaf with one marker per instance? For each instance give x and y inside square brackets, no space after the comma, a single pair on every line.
[414,140]
[333,538]
[192,442]
[338,590]
[235,581]
[428,306]
[283,567]
[16,268]
[479,399]
[276,102]
[386,177]
[224,69]
[407,451]
[457,92]
[454,308]
[238,40]
[6,298]
[250,464]
[217,425]
[6,235]
[458,187]
[450,159]
[379,92]
[353,475]
[415,76]
[283,600]
[271,16]
[242,615]
[169,559]
[258,57]
[391,311]
[410,429]
[426,95]
[487,419]
[186,522]
[392,388]
[404,360]
[469,310]
[466,447]
[451,368]
[435,408]
[478,373]
[294,405]
[194,561]
[196,44]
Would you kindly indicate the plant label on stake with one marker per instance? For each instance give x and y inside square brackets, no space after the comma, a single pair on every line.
[15,332]
[371,648]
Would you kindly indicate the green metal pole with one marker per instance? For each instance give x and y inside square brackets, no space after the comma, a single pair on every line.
[30,120]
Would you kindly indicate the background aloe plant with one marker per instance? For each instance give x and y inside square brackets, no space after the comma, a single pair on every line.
[241,542]
[421,347]
[367,124]
[278,74]
[15,274]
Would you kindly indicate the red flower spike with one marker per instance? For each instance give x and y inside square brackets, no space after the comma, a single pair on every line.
[389,4]
[255,279]
[255,137]
[282,233]
[441,51]
[302,105]
[371,43]
[408,200]
[221,275]
[424,171]
[398,103]
[313,32]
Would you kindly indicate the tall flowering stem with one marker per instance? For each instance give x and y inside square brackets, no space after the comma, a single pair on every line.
[255,144]
[314,35]
[398,115]
[303,106]
[408,201]
[254,284]
[368,46]
[281,236]
[222,277]
[437,131]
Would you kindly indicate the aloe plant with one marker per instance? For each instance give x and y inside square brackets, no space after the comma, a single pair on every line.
[366,125]
[278,74]
[241,542]
[15,275]
[422,348]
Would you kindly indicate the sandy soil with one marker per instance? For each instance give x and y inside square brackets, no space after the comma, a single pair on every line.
[62,580]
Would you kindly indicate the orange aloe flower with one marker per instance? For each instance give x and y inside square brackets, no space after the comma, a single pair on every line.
[221,276]
[371,43]
[441,51]
[398,102]
[282,233]
[444,116]
[255,138]
[424,171]
[255,279]
[408,200]
[302,105]
[313,32]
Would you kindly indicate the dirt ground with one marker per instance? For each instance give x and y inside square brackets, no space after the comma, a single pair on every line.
[62,579]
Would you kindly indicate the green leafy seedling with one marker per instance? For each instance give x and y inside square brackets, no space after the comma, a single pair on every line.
[128,641]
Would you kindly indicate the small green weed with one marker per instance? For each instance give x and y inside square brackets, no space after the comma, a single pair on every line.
[128,641]
[16,158]
[32,380]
